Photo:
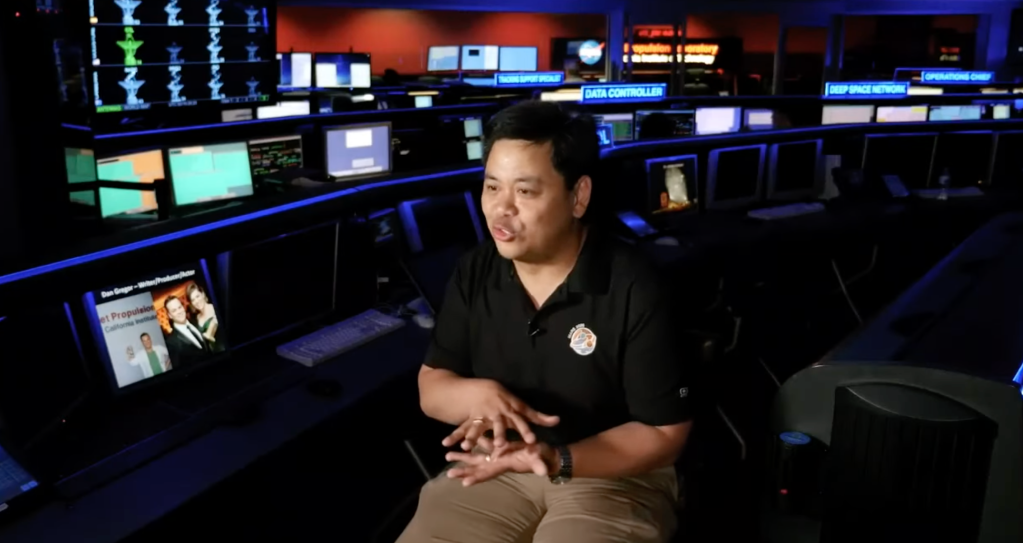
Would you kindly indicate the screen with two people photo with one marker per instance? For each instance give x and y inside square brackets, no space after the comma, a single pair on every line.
[162,323]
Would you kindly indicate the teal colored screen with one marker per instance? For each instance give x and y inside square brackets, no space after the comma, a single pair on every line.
[116,201]
[214,172]
[81,165]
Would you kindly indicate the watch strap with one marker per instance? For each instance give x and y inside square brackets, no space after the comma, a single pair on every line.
[564,471]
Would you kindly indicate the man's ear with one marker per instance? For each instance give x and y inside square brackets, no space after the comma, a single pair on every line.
[581,194]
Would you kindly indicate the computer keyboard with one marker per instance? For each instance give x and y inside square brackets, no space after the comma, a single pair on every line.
[932,194]
[786,211]
[339,338]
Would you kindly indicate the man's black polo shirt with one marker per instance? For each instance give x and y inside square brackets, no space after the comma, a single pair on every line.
[602,351]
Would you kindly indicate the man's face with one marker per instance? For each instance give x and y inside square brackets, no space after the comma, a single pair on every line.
[528,208]
[147,342]
[176,311]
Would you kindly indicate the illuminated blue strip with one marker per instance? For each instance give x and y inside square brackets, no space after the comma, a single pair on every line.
[114,251]
[1018,379]
[614,93]
[867,89]
[76,127]
[529,79]
[956,77]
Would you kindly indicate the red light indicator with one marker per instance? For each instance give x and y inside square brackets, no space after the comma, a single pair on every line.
[784,492]
[17,14]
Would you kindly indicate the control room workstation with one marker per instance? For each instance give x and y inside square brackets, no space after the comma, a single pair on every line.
[239,270]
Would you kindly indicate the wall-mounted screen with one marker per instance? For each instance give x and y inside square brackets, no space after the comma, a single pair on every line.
[480,57]
[442,58]
[517,59]
[296,70]
[343,70]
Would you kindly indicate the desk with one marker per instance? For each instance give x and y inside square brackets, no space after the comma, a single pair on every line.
[124,506]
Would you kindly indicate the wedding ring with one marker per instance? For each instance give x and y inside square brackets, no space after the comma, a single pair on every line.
[477,421]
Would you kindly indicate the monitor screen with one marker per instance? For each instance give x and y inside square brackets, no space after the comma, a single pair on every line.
[343,70]
[621,124]
[357,151]
[424,101]
[718,120]
[283,109]
[147,54]
[296,70]
[144,167]
[440,221]
[734,175]
[207,173]
[759,119]
[442,58]
[235,115]
[606,134]
[966,156]
[274,154]
[907,156]
[672,184]
[956,113]
[517,59]
[480,57]
[1001,111]
[80,164]
[164,322]
[795,169]
[666,123]
[14,479]
[901,114]
[847,114]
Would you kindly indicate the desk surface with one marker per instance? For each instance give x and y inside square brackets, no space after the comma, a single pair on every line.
[124,506]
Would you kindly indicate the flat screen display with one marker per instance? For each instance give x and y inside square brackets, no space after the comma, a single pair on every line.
[275,154]
[144,167]
[517,59]
[672,184]
[795,168]
[343,70]
[1001,111]
[736,177]
[480,57]
[206,173]
[181,53]
[165,322]
[621,125]
[759,119]
[901,114]
[668,123]
[284,109]
[296,70]
[81,168]
[424,101]
[718,120]
[956,113]
[356,151]
[442,58]
[847,114]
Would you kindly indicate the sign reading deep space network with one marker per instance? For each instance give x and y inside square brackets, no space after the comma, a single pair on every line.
[866,89]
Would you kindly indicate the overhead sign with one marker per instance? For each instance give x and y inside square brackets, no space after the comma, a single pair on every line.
[624,92]
[529,79]
[660,53]
[956,77]
[866,89]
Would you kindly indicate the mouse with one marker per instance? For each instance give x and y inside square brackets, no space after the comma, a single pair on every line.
[667,240]
[325,388]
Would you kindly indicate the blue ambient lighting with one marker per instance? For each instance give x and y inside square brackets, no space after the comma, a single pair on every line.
[795,438]
[1018,379]
[529,79]
[616,93]
[956,77]
[867,89]
[114,251]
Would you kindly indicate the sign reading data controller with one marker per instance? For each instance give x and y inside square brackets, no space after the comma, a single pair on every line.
[609,93]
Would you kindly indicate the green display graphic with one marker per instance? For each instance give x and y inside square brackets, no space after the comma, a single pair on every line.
[130,46]
[217,172]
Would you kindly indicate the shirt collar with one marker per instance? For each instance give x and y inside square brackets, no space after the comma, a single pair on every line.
[591,273]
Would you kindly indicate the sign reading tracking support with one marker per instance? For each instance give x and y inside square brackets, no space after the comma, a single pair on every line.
[624,92]
[956,77]
[529,79]
[866,89]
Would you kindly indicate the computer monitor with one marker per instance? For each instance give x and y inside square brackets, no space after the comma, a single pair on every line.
[296,70]
[967,156]
[442,58]
[606,135]
[848,114]
[343,70]
[734,176]
[165,322]
[284,109]
[795,171]
[672,184]
[666,123]
[140,167]
[146,57]
[907,156]
[621,124]
[718,120]
[517,59]
[271,155]
[480,57]
[16,483]
[901,114]
[956,113]
[759,119]
[306,260]
[1001,111]
[358,150]
[236,115]
[208,173]
[80,164]
[424,101]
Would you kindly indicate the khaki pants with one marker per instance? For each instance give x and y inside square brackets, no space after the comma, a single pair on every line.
[519,508]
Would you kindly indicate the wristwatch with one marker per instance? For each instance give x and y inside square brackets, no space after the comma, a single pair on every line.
[564,471]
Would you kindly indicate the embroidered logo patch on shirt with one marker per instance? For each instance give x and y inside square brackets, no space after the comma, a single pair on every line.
[582,340]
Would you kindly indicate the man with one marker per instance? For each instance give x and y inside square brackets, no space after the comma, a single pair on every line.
[565,336]
[157,358]
[185,341]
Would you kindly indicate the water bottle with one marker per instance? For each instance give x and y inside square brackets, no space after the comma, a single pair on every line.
[944,180]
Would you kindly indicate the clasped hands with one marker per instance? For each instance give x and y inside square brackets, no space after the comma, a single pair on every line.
[484,458]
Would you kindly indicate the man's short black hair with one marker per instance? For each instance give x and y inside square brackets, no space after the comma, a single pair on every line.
[575,147]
